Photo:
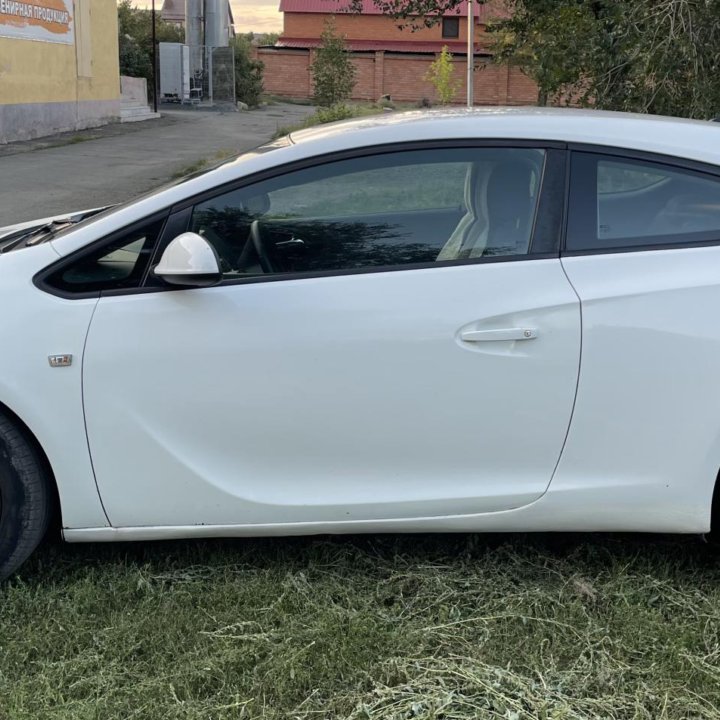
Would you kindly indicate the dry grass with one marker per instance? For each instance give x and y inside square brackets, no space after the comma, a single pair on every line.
[428,627]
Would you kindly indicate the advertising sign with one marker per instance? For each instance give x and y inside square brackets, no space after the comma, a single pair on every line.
[44,20]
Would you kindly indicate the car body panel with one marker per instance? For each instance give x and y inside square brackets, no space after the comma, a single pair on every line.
[648,398]
[336,398]
[49,400]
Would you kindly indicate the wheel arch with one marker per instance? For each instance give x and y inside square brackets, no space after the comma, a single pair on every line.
[22,426]
[715,506]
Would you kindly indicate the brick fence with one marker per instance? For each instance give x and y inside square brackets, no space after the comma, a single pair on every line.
[402,76]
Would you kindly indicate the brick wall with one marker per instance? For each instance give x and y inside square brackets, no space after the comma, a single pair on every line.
[287,72]
[365,77]
[402,77]
[369,27]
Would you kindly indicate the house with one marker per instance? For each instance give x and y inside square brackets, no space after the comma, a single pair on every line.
[173,11]
[391,60]
[58,67]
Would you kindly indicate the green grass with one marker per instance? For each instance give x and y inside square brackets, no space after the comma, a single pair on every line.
[452,627]
[275,99]
[202,164]
[343,111]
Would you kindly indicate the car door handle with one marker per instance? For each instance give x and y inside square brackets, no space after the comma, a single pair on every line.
[503,335]
[290,243]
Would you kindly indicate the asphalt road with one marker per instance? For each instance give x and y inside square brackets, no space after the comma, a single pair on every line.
[71,172]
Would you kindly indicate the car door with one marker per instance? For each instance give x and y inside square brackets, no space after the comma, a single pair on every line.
[643,253]
[394,338]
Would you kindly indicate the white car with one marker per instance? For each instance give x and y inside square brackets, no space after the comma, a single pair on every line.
[489,320]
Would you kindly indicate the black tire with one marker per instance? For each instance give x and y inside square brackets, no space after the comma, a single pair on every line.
[25,501]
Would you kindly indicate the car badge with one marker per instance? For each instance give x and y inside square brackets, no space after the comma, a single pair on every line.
[60,360]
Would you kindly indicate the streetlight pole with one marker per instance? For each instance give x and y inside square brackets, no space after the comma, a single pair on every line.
[470,51]
[154,61]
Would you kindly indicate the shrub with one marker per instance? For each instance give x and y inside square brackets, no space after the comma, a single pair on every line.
[441,74]
[334,113]
[332,70]
[248,73]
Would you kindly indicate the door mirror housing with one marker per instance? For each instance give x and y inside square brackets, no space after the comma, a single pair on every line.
[189,261]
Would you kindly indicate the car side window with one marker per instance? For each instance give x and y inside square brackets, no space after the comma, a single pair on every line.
[118,264]
[389,210]
[618,203]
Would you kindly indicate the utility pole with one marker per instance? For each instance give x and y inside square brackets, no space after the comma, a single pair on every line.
[154,61]
[470,51]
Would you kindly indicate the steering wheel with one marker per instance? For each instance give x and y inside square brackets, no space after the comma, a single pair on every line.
[256,243]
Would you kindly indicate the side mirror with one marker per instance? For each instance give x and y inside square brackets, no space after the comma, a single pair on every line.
[189,261]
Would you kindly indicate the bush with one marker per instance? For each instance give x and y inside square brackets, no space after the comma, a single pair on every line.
[441,76]
[332,70]
[248,73]
[334,113]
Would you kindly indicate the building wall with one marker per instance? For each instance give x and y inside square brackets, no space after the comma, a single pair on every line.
[50,87]
[369,27]
[287,73]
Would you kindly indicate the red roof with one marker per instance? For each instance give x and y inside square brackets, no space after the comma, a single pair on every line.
[490,10]
[459,48]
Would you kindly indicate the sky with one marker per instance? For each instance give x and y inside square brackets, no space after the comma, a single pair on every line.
[250,15]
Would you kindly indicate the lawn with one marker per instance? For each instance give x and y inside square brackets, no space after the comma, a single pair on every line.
[452,627]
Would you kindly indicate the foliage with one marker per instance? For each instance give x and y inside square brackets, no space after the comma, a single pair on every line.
[414,13]
[248,72]
[441,76]
[334,113]
[458,626]
[268,38]
[657,56]
[135,39]
[332,69]
[134,61]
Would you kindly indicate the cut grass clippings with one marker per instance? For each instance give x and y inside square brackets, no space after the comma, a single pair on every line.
[428,627]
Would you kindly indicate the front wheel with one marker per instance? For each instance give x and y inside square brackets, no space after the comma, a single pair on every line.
[25,503]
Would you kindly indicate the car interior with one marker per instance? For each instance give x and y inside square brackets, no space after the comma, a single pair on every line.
[665,204]
[494,215]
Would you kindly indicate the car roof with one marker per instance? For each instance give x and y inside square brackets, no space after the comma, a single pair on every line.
[691,139]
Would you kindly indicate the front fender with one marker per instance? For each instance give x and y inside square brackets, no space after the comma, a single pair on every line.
[33,326]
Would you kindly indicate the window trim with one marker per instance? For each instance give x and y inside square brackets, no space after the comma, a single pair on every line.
[40,278]
[630,155]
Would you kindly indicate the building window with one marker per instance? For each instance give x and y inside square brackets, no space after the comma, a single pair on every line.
[450,27]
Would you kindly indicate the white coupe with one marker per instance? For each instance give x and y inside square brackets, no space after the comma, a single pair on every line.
[489,320]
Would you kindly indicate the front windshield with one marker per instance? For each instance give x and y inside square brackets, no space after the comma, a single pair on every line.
[267,147]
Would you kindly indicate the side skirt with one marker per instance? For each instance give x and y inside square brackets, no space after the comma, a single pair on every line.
[625,509]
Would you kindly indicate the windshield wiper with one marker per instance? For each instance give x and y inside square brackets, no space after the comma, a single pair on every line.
[36,235]
[32,236]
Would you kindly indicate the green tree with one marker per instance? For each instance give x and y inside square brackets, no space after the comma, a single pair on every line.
[657,56]
[248,71]
[333,71]
[268,38]
[135,40]
[442,76]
